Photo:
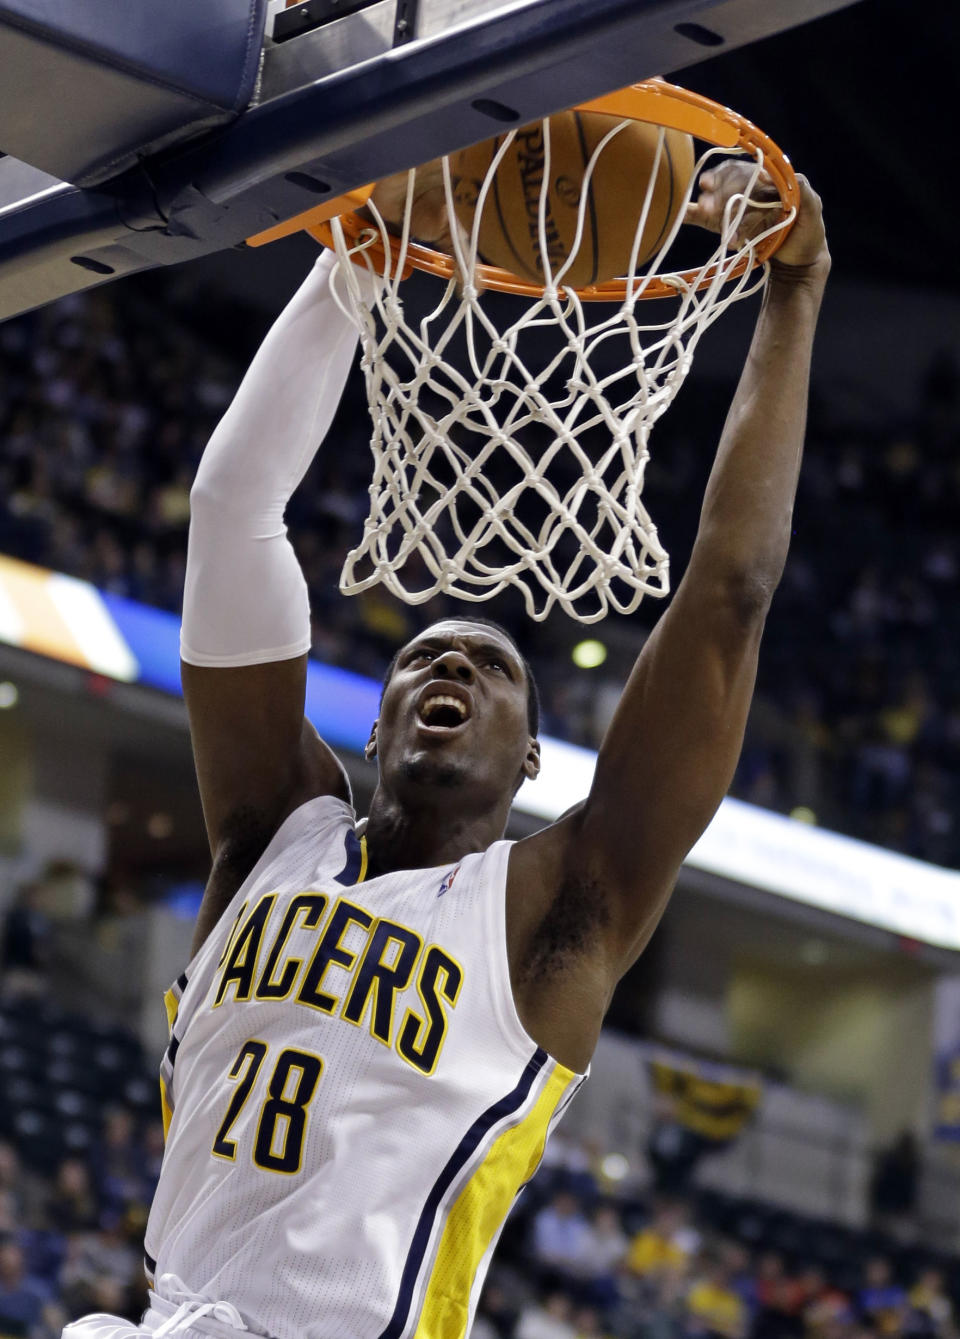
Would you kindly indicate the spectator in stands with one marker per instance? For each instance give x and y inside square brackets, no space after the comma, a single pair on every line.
[99,1264]
[118,1163]
[53,1317]
[780,1300]
[588,1324]
[22,1297]
[551,1319]
[665,1244]
[827,1312]
[107,1294]
[893,1185]
[714,1311]
[740,1275]
[673,1150]
[496,1311]
[26,943]
[656,1302]
[601,1256]
[73,1205]
[931,1305]
[44,1251]
[882,1302]
[20,1189]
[560,1236]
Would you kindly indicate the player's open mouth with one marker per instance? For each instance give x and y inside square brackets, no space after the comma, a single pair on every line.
[442,713]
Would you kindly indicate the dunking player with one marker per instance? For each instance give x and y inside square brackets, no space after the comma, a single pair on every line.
[375,1034]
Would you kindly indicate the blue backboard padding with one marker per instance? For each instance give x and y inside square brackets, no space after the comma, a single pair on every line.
[341,704]
[326,123]
[88,89]
[209,50]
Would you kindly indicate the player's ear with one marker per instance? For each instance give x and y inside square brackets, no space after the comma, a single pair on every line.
[531,763]
[370,752]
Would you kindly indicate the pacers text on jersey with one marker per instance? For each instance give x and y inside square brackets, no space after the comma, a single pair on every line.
[258,964]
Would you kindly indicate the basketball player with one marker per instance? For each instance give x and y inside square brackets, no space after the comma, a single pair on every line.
[376,1033]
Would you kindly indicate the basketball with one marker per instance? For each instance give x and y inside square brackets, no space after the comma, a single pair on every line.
[509,233]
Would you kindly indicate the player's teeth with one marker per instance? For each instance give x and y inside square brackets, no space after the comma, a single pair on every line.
[442,701]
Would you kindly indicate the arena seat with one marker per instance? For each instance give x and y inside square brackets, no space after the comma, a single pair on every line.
[716,1208]
[751,1222]
[17,1094]
[78,1139]
[63,1043]
[790,1235]
[19,1061]
[141,1093]
[74,1105]
[38,1137]
[110,1061]
[829,1243]
[77,1074]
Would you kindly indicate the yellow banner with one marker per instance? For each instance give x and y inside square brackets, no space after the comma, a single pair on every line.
[706,1100]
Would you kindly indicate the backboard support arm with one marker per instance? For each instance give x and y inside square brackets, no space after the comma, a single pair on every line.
[317,132]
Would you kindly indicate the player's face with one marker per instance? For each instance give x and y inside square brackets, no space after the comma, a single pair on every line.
[455,712]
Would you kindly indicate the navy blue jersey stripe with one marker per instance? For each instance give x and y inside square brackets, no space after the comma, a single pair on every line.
[354,854]
[458,1159]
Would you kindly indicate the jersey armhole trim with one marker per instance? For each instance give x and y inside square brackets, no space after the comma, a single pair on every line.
[355,870]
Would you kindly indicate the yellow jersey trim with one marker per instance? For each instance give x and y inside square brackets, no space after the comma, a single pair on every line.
[479,1210]
[165,1109]
[171,1002]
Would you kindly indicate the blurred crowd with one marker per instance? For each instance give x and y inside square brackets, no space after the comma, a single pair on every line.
[594,1248]
[580,1261]
[71,1238]
[107,400]
[76,941]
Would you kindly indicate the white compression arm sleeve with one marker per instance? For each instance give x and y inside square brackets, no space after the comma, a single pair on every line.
[245,598]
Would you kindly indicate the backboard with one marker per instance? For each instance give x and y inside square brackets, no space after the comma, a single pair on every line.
[328,95]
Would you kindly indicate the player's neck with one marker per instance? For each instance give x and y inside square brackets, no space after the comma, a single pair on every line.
[401,838]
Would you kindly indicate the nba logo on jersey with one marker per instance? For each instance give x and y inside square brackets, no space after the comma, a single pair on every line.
[447,882]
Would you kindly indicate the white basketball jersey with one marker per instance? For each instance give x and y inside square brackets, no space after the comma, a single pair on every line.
[352,1101]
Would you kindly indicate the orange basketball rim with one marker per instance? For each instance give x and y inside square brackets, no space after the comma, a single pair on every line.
[654,101]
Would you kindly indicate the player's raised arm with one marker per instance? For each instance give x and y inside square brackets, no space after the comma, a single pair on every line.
[671,749]
[246,617]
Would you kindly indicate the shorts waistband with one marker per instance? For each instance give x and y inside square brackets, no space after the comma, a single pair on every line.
[161,1310]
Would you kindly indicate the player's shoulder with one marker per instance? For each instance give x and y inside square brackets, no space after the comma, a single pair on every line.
[311,841]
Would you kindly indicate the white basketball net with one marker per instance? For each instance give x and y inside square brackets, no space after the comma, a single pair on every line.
[510,460]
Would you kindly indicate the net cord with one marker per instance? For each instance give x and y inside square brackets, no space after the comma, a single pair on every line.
[442,427]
